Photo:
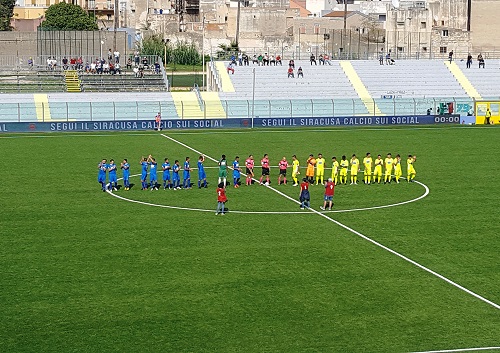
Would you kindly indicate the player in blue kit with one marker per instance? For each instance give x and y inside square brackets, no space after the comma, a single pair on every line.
[236,172]
[152,173]
[176,180]
[113,181]
[144,172]
[166,174]
[186,175]
[202,176]
[125,167]
[101,176]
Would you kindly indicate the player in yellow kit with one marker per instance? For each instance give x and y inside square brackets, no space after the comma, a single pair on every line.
[354,169]
[295,170]
[368,162]
[388,161]
[377,172]
[320,168]
[410,168]
[344,164]
[335,170]
[397,168]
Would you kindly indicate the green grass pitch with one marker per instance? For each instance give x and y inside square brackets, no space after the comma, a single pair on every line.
[82,271]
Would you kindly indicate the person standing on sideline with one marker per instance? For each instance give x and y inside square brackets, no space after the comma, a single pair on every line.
[264,162]
[125,167]
[186,175]
[236,172]
[158,121]
[367,163]
[344,164]
[202,176]
[377,173]
[282,165]
[487,117]
[381,58]
[397,168]
[450,56]
[144,172]
[469,61]
[335,170]
[221,199]
[152,173]
[166,174]
[410,168]
[320,169]
[354,169]
[304,196]
[176,179]
[329,192]
[249,163]
[295,170]
[223,170]
[101,176]
[310,168]
[388,161]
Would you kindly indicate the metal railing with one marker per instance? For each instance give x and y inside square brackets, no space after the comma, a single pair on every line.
[305,108]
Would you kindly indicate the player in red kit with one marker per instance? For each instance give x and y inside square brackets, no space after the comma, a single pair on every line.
[221,199]
[329,192]
[249,163]
[264,162]
[304,196]
[283,164]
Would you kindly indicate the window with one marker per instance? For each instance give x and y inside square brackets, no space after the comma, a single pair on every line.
[424,49]
[400,49]
[382,17]
[316,28]
[302,29]
[442,23]
[443,50]
[423,25]
[444,33]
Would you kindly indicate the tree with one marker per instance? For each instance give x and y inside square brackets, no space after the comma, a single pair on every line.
[6,13]
[66,16]
[183,52]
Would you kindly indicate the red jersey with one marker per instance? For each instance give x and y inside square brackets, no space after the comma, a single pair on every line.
[158,118]
[265,162]
[329,188]
[304,186]
[221,195]
[283,165]
[249,163]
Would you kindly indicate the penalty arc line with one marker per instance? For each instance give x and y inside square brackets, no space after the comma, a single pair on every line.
[462,350]
[449,281]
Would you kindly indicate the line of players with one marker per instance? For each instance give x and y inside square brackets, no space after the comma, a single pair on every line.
[315,168]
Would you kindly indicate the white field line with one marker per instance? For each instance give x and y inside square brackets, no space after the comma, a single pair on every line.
[462,350]
[468,291]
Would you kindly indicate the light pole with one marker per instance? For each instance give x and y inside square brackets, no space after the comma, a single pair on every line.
[203,52]
[102,42]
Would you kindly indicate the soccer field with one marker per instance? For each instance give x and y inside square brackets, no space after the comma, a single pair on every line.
[409,267]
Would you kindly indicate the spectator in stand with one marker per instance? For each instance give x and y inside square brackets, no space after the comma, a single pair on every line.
[105,68]
[137,58]
[265,61]
[260,58]
[273,60]
[112,68]
[110,54]
[290,72]
[388,58]
[480,59]
[117,56]
[233,59]
[245,59]
[72,62]
[326,59]
[30,63]
[98,67]
[145,63]
[157,67]
[118,69]
[255,60]
[469,61]
[230,68]
[79,63]
[129,63]
[136,71]
[278,60]
[450,56]
[93,69]
[381,58]
[321,59]
[312,59]
[87,68]
[291,64]
[300,73]
[240,58]
[65,63]
[141,71]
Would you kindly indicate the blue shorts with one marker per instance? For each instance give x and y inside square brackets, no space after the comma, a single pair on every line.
[175,177]
[166,176]
[152,177]
[236,175]
[186,175]
[144,176]
[101,178]
[112,178]
[202,175]
[328,198]
[126,176]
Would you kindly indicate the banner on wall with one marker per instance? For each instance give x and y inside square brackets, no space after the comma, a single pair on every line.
[231,123]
